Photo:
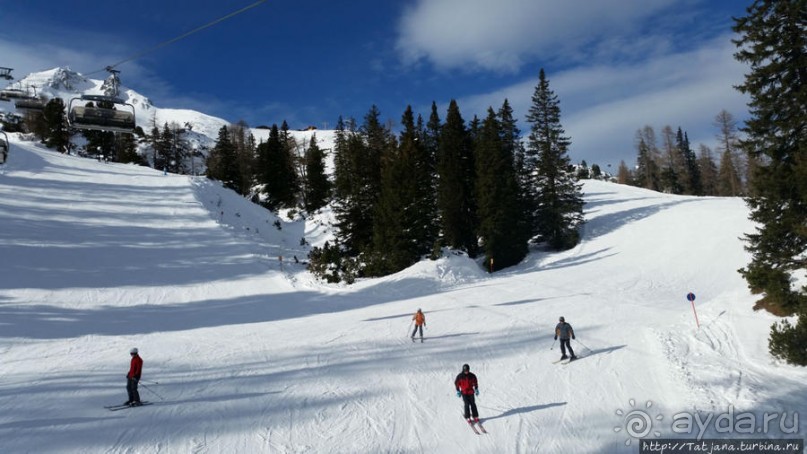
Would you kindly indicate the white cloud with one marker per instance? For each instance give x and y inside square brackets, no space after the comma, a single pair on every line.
[502,35]
[602,107]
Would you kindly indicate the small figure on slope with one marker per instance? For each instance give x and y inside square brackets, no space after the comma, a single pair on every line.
[565,331]
[420,322]
[133,377]
[467,387]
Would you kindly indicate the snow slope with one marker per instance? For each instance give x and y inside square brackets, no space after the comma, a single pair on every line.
[251,354]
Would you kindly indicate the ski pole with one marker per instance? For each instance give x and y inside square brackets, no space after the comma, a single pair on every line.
[149,390]
[149,381]
[553,344]
[584,346]
[410,325]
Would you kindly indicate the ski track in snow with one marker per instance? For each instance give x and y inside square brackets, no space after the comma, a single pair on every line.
[252,354]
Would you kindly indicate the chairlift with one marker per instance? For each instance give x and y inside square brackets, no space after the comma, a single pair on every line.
[5,73]
[3,147]
[14,93]
[97,117]
[23,100]
[31,103]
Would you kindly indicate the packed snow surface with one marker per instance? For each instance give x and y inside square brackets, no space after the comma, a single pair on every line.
[246,352]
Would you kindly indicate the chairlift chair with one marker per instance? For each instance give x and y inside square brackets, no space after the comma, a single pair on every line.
[5,73]
[14,93]
[101,118]
[31,103]
[3,147]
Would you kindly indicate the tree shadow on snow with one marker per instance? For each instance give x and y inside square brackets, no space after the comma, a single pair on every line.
[408,314]
[219,398]
[52,422]
[449,335]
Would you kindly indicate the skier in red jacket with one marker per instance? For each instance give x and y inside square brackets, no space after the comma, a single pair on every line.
[467,388]
[135,369]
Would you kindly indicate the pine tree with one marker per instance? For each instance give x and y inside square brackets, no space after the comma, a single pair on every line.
[596,172]
[167,139]
[501,211]
[161,142]
[583,172]
[708,171]
[647,169]
[456,194]
[728,180]
[729,145]
[57,135]
[431,143]
[155,140]
[100,143]
[773,42]
[291,162]
[672,167]
[222,163]
[431,140]
[245,154]
[317,186]
[347,152]
[559,197]
[690,174]
[523,224]
[623,175]
[402,233]
[425,146]
[376,141]
[126,149]
[649,174]
[358,180]
[277,175]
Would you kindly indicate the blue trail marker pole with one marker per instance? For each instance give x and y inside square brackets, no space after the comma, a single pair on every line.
[691,298]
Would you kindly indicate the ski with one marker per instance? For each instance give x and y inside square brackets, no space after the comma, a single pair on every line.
[471,424]
[565,362]
[481,427]
[123,407]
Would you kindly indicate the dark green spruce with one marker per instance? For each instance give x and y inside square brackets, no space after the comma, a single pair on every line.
[456,171]
[498,197]
[559,212]
[773,42]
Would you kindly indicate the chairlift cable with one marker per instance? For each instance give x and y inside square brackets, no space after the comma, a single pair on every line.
[173,40]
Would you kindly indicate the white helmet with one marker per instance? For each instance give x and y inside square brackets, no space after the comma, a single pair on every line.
[133,351]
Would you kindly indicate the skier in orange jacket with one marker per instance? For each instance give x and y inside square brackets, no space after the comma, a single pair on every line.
[420,322]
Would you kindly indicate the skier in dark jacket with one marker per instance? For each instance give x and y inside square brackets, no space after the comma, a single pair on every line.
[133,377]
[565,331]
[466,386]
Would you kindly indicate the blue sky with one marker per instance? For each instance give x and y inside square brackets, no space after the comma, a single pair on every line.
[616,65]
